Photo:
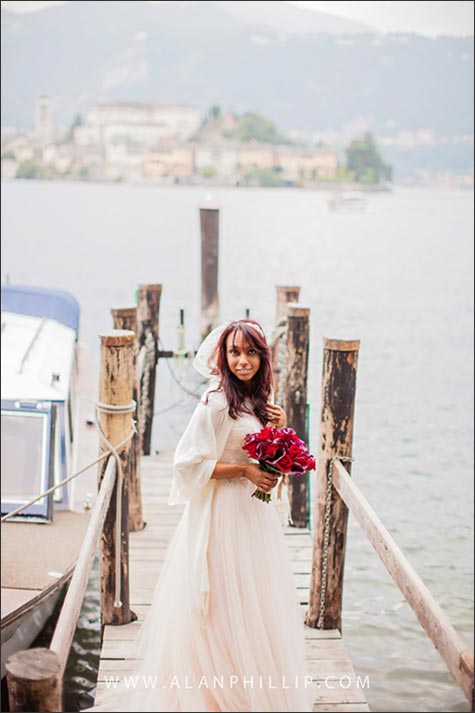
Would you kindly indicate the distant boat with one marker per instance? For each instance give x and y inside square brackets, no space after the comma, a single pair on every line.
[348,202]
[40,429]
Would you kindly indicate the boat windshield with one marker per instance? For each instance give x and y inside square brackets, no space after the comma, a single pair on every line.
[24,456]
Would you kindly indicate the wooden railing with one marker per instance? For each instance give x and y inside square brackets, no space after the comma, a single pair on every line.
[336,495]
[434,621]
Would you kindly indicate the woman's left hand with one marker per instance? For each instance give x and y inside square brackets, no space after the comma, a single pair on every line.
[276,416]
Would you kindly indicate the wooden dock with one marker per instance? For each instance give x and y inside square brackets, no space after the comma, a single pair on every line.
[328,661]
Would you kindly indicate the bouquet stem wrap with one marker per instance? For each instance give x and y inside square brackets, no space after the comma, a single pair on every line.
[265,497]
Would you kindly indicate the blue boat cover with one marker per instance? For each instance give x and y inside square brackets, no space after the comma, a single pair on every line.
[42,302]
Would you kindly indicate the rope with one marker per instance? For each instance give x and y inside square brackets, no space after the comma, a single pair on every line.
[67,480]
[175,377]
[110,408]
[58,485]
[113,450]
[282,363]
[148,364]
[326,538]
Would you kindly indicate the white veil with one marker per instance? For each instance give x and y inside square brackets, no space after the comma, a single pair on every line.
[205,359]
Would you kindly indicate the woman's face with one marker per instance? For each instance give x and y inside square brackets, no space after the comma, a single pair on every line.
[243,360]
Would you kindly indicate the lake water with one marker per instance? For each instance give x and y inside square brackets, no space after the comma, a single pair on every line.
[397,276]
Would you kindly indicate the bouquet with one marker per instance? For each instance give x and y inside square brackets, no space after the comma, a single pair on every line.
[279,451]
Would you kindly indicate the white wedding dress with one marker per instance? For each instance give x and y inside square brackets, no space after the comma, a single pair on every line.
[250,654]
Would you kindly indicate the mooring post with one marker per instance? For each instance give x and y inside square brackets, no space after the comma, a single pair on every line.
[295,402]
[115,389]
[148,308]
[209,227]
[285,294]
[278,347]
[126,318]
[340,360]
[34,681]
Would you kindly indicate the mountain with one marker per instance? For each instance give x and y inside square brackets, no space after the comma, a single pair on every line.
[284,19]
[332,82]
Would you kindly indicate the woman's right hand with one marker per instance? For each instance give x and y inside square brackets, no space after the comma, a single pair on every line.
[263,480]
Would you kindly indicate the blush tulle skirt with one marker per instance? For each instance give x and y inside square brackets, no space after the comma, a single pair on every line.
[249,653]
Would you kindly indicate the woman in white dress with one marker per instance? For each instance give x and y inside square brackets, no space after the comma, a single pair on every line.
[224,632]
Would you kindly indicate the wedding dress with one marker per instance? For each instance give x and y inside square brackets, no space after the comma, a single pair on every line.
[245,650]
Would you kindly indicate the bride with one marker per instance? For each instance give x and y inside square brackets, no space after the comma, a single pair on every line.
[224,632]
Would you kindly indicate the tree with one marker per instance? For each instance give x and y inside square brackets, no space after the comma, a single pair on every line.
[77,121]
[30,169]
[214,112]
[364,162]
[266,177]
[208,171]
[253,127]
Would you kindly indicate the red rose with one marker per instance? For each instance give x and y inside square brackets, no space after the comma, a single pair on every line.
[285,464]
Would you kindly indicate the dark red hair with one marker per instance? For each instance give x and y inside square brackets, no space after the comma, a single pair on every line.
[259,388]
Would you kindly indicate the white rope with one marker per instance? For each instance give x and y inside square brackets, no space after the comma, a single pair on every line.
[67,480]
[148,364]
[110,408]
[58,485]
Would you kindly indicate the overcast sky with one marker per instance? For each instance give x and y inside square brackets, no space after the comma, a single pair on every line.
[427,17]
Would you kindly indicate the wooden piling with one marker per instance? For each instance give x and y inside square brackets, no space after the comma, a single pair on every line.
[295,402]
[279,352]
[115,389]
[126,318]
[340,359]
[34,681]
[209,227]
[148,308]
[285,294]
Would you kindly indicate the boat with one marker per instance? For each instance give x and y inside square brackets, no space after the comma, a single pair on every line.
[350,201]
[44,403]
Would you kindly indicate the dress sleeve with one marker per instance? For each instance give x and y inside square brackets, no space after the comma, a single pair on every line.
[199,448]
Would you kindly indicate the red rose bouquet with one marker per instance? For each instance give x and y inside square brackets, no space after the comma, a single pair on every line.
[279,451]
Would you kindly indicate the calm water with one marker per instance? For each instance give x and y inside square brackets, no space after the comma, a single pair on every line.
[398,277]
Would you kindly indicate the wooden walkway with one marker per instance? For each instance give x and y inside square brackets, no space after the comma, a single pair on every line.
[336,685]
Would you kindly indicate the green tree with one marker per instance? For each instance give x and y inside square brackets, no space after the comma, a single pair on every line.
[208,171]
[266,177]
[83,173]
[29,169]
[253,127]
[214,112]
[77,121]
[364,163]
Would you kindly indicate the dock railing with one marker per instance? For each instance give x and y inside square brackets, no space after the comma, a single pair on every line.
[336,495]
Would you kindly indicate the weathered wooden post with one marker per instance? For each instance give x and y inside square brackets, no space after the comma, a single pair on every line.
[148,307]
[34,681]
[115,389]
[279,353]
[295,402]
[209,227]
[285,294]
[126,318]
[340,359]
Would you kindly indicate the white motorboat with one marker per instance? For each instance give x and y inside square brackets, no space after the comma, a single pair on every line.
[350,201]
[43,417]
